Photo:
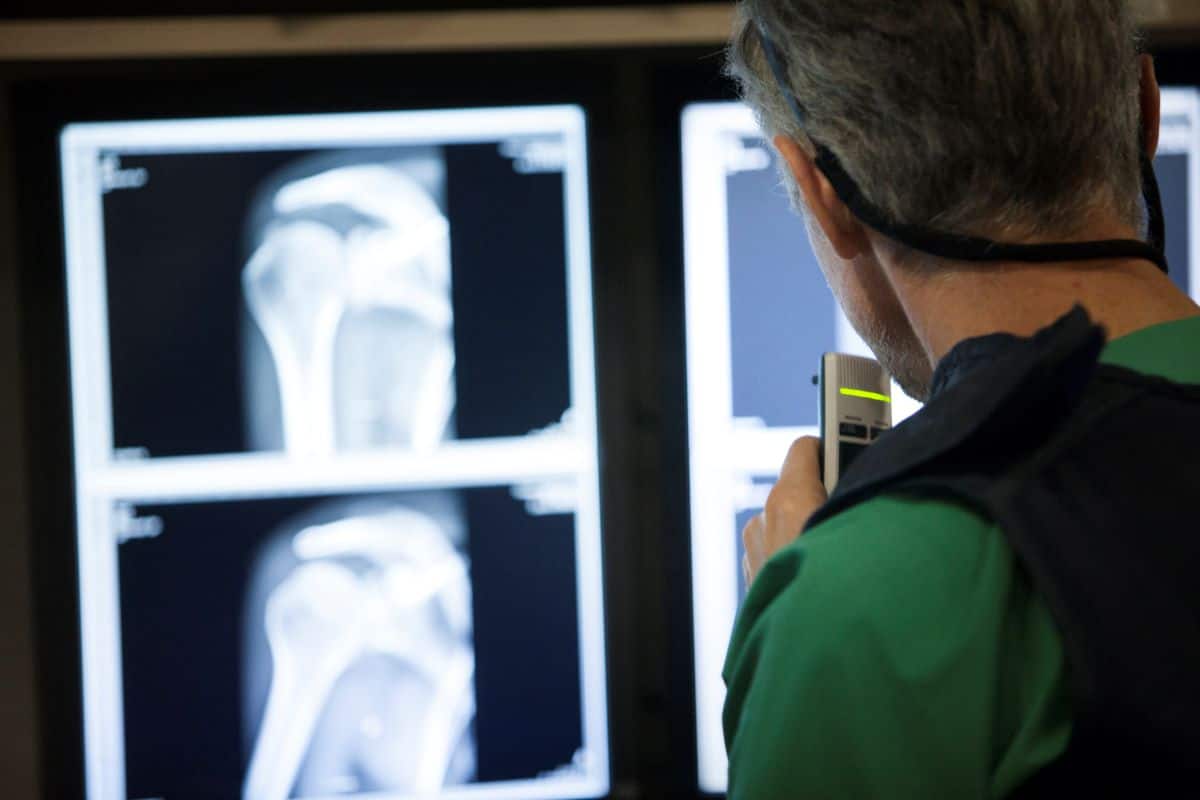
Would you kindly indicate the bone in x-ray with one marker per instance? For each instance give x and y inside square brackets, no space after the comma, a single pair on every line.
[349,287]
[359,664]
[372,678]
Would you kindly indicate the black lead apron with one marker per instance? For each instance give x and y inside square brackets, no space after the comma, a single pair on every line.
[1093,474]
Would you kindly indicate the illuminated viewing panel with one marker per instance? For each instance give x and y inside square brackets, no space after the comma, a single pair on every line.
[336,465]
[759,317]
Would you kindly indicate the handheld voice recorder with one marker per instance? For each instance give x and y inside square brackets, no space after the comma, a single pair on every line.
[856,409]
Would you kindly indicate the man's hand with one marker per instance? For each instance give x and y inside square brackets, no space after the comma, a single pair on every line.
[796,495]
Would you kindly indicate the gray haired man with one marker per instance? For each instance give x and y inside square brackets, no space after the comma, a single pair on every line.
[997,600]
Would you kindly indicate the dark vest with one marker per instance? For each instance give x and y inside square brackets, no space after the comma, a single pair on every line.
[1093,474]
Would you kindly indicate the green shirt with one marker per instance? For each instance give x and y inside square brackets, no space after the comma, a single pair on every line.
[898,649]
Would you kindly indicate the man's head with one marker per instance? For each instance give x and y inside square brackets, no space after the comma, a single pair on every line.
[1016,120]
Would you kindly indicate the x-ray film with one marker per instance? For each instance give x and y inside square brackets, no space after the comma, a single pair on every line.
[759,316]
[335,434]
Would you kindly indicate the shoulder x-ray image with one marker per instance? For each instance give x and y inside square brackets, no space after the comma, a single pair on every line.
[339,534]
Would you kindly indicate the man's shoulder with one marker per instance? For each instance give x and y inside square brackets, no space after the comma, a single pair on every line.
[902,593]
[899,628]
[886,570]
[889,516]
[898,538]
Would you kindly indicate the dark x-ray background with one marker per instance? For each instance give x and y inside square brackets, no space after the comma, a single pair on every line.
[175,250]
[782,315]
[1172,171]
[182,600]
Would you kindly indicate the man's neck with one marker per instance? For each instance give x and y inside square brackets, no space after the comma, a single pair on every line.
[947,306]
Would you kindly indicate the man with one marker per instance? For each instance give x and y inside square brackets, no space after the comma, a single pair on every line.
[996,600]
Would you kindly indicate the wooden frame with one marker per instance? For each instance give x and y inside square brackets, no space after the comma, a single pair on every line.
[1167,21]
[522,29]
[1170,21]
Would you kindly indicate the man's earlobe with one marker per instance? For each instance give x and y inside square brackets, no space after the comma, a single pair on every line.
[843,230]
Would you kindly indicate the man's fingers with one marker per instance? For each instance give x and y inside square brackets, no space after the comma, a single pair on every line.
[753,545]
[752,539]
[797,494]
[802,467]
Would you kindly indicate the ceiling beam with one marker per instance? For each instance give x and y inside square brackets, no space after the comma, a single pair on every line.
[520,29]
[1167,21]
[1167,14]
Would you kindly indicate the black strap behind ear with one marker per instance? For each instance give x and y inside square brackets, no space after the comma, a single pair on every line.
[957,247]
[1156,220]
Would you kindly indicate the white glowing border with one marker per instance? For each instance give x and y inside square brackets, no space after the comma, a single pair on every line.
[102,481]
[724,457]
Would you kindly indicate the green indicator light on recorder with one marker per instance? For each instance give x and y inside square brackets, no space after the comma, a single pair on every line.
[882,398]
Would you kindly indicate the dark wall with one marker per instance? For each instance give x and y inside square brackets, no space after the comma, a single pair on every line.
[18,727]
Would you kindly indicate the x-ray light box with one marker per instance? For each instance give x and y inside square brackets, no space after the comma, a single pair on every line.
[758,318]
[333,389]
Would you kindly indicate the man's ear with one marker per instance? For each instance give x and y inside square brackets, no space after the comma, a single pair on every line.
[1151,101]
[847,235]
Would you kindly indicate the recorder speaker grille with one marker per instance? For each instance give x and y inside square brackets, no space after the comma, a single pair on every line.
[861,373]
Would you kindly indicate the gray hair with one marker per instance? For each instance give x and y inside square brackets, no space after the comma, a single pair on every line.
[988,117]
